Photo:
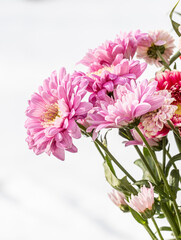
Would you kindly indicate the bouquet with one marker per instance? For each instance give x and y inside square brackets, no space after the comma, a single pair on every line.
[111,94]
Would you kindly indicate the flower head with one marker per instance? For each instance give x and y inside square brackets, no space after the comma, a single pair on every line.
[143,202]
[105,55]
[106,79]
[171,81]
[52,114]
[128,104]
[158,40]
[118,198]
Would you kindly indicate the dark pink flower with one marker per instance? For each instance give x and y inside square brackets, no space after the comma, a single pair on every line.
[52,114]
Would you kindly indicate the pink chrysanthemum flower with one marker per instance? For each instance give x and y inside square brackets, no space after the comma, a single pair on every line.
[129,103]
[137,140]
[171,81]
[143,202]
[106,79]
[52,114]
[154,123]
[160,41]
[105,55]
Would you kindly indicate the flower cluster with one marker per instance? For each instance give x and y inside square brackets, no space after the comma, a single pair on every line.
[143,110]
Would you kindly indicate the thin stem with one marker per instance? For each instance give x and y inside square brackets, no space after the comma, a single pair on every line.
[174,57]
[98,148]
[164,63]
[164,153]
[178,142]
[148,229]
[157,228]
[108,153]
[115,161]
[170,219]
[159,169]
[174,129]
[142,158]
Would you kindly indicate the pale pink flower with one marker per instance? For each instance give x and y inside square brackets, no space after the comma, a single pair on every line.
[52,114]
[117,197]
[105,55]
[171,81]
[128,104]
[143,201]
[137,140]
[158,40]
[154,123]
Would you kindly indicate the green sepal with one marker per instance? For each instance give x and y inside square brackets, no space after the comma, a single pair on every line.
[165,228]
[138,217]
[175,24]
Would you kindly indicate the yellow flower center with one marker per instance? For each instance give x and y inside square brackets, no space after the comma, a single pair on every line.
[100,71]
[178,111]
[49,116]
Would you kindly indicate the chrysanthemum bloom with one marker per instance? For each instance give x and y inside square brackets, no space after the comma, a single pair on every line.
[137,140]
[171,81]
[143,203]
[106,54]
[52,114]
[128,104]
[160,41]
[106,79]
[154,123]
[118,198]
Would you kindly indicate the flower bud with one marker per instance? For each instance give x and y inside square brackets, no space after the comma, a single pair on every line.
[118,198]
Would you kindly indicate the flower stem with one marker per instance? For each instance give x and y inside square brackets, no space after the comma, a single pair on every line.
[164,153]
[174,57]
[142,157]
[148,229]
[114,160]
[160,171]
[170,219]
[164,63]
[157,228]
[99,144]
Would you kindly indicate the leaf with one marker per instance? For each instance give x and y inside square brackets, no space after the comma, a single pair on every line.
[175,24]
[138,217]
[174,181]
[119,184]
[171,161]
[165,228]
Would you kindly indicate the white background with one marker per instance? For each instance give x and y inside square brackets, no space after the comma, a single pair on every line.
[40,196]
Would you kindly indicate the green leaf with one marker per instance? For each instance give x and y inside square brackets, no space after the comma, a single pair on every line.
[174,181]
[119,184]
[175,24]
[165,228]
[171,161]
[138,217]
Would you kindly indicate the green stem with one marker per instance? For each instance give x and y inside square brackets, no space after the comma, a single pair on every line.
[115,161]
[148,229]
[174,129]
[171,220]
[164,63]
[159,169]
[108,153]
[164,152]
[142,157]
[178,142]
[157,228]
[175,56]
[99,150]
